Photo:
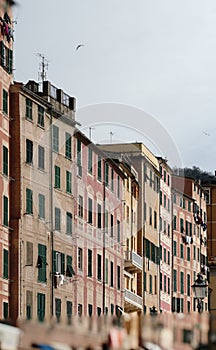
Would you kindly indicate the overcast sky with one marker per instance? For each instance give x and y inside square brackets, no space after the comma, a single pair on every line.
[146,72]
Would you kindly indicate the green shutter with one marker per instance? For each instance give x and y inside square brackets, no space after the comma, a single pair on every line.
[5,160]
[68,145]
[42,266]
[29,201]
[10,61]
[5,101]
[62,263]
[68,182]
[5,263]
[57,177]
[41,306]
[5,208]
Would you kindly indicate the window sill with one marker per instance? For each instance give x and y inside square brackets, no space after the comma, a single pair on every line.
[29,120]
[41,126]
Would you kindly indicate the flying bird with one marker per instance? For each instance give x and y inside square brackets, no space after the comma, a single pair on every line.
[79,46]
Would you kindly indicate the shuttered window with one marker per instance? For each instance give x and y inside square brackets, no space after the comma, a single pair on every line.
[41,263]
[41,306]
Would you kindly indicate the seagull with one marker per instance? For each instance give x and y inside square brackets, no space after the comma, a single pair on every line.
[78,46]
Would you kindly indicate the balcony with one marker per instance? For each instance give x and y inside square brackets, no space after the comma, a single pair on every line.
[132,301]
[133,262]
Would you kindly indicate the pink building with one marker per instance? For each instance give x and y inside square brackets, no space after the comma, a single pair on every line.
[98,233]
[189,242]
[165,236]
[6,70]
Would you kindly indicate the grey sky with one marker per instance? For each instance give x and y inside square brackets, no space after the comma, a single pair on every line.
[152,55]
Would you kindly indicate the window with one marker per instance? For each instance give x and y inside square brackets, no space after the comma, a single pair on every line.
[174,198]
[5,310]
[168,285]
[28,109]
[111,273]
[118,277]
[57,176]
[5,102]
[29,201]
[41,157]
[5,161]
[79,158]
[89,263]
[161,281]
[165,201]
[68,223]
[69,306]
[41,263]
[57,219]
[150,216]
[188,285]
[58,309]
[118,186]
[5,263]
[150,175]
[41,116]
[112,180]
[188,253]
[168,204]
[29,253]
[80,258]
[99,172]
[99,216]
[98,311]
[99,267]
[174,222]
[55,138]
[168,258]
[118,231]
[165,225]
[69,270]
[90,217]
[90,157]
[181,251]
[80,207]
[194,252]
[80,310]
[165,176]
[41,306]
[165,254]
[150,284]
[68,145]
[165,283]
[106,174]
[174,248]
[111,225]
[181,225]
[58,262]
[182,282]
[161,198]
[68,181]
[155,219]
[29,151]
[90,308]
[106,271]
[168,180]
[174,281]
[5,211]
[189,206]
[41,206]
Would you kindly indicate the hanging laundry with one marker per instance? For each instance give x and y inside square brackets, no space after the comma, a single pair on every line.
[204,226]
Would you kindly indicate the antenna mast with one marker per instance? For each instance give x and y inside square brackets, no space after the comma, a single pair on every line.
[43,67]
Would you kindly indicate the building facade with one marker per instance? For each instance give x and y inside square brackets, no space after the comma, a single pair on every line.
[6,76]
[148,238]
[165,236]
[98,221]
[189,242]
[41,206]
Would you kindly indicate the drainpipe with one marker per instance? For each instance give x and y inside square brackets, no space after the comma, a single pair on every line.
[51,215]
[104,233]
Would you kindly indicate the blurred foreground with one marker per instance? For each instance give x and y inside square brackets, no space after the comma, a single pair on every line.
[130,331]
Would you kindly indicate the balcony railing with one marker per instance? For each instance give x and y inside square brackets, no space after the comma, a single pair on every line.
[133,299]
[133,261]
